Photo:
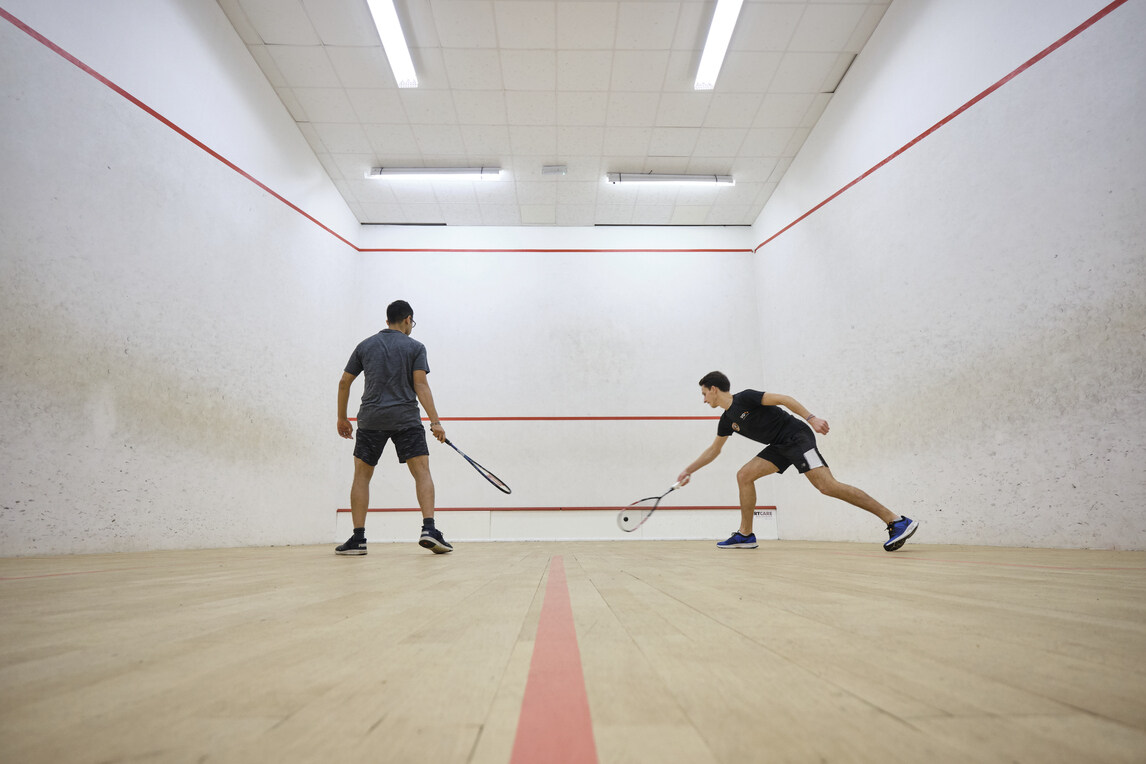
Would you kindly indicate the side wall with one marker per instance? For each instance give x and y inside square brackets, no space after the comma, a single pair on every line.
[169,331]
[978,303]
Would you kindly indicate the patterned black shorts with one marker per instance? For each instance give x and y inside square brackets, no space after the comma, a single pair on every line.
[408,443]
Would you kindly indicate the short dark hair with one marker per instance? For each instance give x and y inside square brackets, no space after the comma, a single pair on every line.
[397,311]
[716,379]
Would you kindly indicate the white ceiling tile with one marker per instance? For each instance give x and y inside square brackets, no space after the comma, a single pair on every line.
[614,214]
[418,23]
[736,214]
[766,26]
[627,141]
[531,108]
[719,141]
[361,67]
[439,140]
[412,191]
[304,66]
[537,192]
[472,69]
[803,72]
[586,26]
[480,107]
[653,214]
[538,214]
[461,214]
[582,108]
[577,192]
[342,138]
[668,165]
[422,213]
[391,141]
[748,71]
[465,23]
[690,214]
[430,67]
[753,169]
[333,169]
[341,23]
[698,165]
[732,109]
[580,140]
[683,109]
[632,109]
[783,110]
[826,27]
[766,141]
[639,70]
[428,107]
[486,140]
[799,135]
[383,213]
[500,214]
[646,25]
[456,192]
[529,69]
[533,141]
[367,191]
[280,22]
[834,78]
[530,24]
[377,106]
[576,214]
[584,70]
[582,168]
[325,104]
[673,141]
[692,25]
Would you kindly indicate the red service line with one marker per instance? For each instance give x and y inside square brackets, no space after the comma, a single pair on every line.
[555,726]
[611,507]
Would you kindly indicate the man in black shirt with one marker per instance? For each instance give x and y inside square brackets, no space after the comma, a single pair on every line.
[757,415]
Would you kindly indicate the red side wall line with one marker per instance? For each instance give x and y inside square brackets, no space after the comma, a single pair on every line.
[1019,70]
[555,726]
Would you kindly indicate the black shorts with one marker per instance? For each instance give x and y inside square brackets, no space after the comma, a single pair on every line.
[408,443]
[799,449]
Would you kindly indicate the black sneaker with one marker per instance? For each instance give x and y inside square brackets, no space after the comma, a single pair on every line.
[353,545]
[432,540]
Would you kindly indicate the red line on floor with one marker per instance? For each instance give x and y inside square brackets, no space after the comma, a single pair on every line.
[1019,70]
[555,726]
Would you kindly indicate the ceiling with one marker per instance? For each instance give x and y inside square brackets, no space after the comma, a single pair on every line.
[595,85]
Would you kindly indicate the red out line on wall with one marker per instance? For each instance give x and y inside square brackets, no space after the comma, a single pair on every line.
[1017,71]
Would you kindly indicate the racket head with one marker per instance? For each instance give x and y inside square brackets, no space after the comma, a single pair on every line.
[634,516]
[494,480]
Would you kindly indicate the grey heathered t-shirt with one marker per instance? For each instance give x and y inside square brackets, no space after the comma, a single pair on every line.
[389,359]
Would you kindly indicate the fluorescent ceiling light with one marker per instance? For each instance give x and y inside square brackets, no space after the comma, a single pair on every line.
[723,22]
[434,173]
[632,177]
[386,19]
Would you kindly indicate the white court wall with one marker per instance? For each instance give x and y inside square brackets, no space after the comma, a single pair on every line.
[978,303]
[170,332]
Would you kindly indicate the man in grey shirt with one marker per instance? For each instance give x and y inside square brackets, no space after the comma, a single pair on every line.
[396,369]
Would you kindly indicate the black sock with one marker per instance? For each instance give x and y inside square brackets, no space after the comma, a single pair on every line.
[428,523]
[360,533]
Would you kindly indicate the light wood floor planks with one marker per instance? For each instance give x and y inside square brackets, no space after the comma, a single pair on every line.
[794,652]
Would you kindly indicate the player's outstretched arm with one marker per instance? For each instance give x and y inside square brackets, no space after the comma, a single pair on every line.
[426,398]
[797,408]
[706,457]
[344,427]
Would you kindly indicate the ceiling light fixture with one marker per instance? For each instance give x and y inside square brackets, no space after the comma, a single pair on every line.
[434,173]
[716,45]
[635,177]
[390,31]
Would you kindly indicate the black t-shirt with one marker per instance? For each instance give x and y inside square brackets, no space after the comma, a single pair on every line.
[753,420]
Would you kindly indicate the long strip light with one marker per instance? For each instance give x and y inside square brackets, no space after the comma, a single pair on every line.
[434,173]
[390,30]
[719,34]
[636,177]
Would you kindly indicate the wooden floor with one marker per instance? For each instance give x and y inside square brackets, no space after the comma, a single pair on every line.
[794,652]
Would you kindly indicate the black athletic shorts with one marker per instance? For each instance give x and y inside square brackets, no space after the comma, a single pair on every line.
[408,443]
[797,447]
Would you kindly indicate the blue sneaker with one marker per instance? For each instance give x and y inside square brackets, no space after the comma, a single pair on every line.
[899,532]
[434,541]
[738,541]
